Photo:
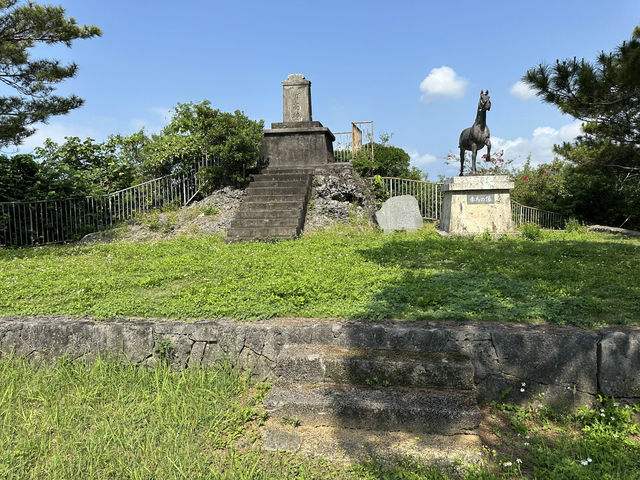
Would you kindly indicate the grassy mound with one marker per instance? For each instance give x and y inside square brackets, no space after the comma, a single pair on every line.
[584,279]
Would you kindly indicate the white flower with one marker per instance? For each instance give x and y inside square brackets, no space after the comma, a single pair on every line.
[522,389]
[602,410]
[524,384]
[584,462]
[527,437]
[602,415]
[526,444]
[518,460]
[589,460]
[507,464]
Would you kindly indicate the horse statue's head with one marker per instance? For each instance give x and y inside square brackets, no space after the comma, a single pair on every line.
[485,102]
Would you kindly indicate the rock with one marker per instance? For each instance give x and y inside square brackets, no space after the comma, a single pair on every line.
[400,213]
[339,195]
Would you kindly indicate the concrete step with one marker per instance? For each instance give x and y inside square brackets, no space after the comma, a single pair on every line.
[280,177]
[289,200]
[260,190]
[393,409]
[277,184]
[275,221]
[353,445]
[262,232]
[289,170]
[374,367]
[268,212]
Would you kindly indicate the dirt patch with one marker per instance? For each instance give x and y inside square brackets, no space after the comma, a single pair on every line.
[210,215]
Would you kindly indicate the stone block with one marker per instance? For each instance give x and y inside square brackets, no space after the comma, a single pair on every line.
[566,357]
[620,364]
[296,99]
[400,213]
[476,204]
[298,146]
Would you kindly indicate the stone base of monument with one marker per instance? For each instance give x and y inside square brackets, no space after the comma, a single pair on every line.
[477,204]
[297,144]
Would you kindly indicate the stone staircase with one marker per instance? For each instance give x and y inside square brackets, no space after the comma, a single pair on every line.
[347,404]
[274,206]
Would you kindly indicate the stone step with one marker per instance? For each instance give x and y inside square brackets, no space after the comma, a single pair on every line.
[353,445]
[393,409]
[277,184]
[262,232]
[280,177]
[268,212]
[259,190]
[374,367]
[266,222]
[289,200]
[289,170]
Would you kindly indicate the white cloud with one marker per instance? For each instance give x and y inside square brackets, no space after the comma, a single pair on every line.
[421,161]
[442,82]
[162,117]
[539,145]
[522,91]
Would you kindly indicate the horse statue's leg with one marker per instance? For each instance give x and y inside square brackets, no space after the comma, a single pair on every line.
[488,144]
[462,152]
[474,153]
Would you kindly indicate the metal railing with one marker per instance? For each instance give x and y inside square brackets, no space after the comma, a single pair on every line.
[347,144]
[522,214]
[429,196]
[43,222]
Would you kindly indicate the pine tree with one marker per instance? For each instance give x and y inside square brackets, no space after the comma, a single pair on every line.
[605,95]
[33,81]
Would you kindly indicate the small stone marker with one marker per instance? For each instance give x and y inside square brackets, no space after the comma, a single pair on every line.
[400,213]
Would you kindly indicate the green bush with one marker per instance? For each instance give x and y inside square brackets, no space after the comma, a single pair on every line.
[531,231]
[574,225]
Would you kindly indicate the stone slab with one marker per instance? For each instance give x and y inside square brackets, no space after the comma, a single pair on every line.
[478,182]
[296,99]
[297,147]
[349,445]
[400,213]
[381,367]
[619,373]
[409,410]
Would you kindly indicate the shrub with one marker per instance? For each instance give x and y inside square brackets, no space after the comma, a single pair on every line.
[531,231]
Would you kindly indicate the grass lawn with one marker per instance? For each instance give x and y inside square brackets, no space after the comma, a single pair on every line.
[108,420]
[564,277]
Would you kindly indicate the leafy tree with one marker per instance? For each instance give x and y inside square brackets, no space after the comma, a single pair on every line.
[21,28]
[605,95]
[19,178]
[84,167]
[197,131]
[387,161]
[543,186]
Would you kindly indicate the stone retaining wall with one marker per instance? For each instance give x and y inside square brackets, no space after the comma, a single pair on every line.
[560,366]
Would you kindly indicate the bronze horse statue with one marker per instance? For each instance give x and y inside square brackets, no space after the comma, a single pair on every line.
[477,136]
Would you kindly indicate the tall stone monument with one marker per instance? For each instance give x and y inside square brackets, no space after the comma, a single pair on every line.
[298,141]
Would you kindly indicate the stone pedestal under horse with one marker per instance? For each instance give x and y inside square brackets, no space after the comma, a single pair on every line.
[477,136]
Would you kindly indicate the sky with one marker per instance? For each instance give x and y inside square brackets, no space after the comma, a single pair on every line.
[414,68]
